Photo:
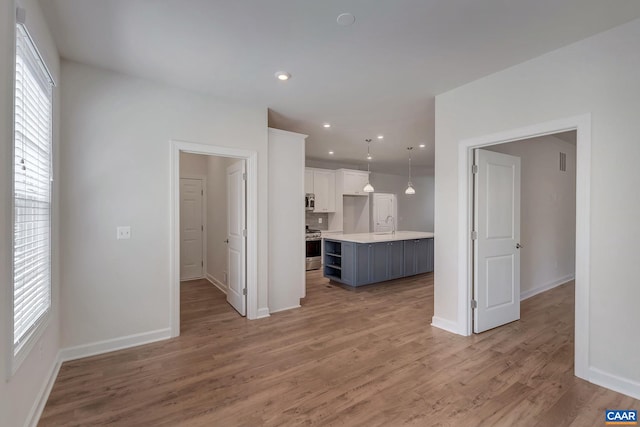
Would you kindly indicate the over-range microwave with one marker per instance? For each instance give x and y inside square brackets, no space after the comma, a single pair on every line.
[309,201]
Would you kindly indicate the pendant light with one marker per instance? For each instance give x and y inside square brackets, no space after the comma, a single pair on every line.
[410,189]
[368,188]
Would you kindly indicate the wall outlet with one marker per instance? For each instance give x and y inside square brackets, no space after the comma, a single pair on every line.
[123,232]
[319,220]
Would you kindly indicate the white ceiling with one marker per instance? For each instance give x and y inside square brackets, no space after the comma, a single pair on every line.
[377,76]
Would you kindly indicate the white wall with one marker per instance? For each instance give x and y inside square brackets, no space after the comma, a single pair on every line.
[115,153]
[376,167]
[598,75]
[548,212]
[193,164]
[20,395]
[356,215]
[415,212]
[286,220]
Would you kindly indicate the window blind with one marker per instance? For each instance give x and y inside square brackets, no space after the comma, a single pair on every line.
[32,189]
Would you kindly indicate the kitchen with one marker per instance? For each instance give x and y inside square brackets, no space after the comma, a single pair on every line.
[383,238]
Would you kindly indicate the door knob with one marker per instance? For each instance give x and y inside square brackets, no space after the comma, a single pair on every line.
[226,240]
[518,245]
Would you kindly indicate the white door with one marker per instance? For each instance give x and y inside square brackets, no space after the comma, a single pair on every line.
[497,246]
[385,212]
[354,183]
[324,188]
[308,181]
[236,241]
[191,229]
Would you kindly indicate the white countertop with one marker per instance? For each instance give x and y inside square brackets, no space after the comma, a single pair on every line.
[382,237]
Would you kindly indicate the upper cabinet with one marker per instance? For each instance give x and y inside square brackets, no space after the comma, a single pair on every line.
[308,181]
[322,183]
[324,187]
[352,182]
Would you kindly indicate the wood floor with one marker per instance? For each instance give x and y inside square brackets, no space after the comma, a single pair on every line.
[346,358]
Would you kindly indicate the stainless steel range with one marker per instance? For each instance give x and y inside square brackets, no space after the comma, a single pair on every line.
[313,240]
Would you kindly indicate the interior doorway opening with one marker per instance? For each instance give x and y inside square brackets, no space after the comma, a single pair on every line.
[213,224]
[582,126]
[524,224]
[214,232]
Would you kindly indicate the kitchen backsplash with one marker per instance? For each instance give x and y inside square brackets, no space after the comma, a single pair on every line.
[312,220]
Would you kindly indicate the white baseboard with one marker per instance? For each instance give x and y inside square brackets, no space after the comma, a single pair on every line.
[545,287]
[215,282]
[445,324]
[43,395]
[613,382]
[262,313]
[114,344]
[284,309]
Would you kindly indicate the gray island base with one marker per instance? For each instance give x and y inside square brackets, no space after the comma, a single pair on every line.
[367,258]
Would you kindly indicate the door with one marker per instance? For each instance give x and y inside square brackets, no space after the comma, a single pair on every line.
[496,246]
[324,188]
[354,183]
[378,262]
[384,212]
[396,260]
[191,229]
[308,181]
[236,239]
[363,263]
[410,267]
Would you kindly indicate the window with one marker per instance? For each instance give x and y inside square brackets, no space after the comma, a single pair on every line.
[32,190]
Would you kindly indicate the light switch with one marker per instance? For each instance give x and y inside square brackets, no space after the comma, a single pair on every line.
[319,220]
[123,232]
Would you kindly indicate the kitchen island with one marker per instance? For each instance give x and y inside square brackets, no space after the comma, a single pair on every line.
[367,258]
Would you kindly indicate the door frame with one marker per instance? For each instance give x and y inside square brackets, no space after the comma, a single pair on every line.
[251,158]
[582,125]
[203,179]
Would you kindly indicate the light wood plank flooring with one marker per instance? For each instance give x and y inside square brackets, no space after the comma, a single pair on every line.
[347,358]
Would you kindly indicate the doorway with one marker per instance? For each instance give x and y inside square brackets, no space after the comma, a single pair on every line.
[242,237]
[213,224]
[193,242]
[524,218]
[582,126]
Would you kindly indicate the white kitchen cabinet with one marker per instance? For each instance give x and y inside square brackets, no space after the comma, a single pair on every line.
[308,181]
[324,187]
[353,182]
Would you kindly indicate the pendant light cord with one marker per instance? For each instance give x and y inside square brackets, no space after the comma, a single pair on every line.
[368,188]
[410,189]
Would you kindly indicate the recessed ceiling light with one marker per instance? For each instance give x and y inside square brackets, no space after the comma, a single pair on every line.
[422,145]
[282,75]
[380,136]
[346,19]
[331,153]
[326,125]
